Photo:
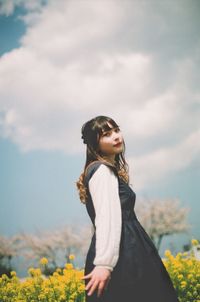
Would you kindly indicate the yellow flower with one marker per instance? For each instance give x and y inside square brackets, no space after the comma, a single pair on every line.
[58,270]
[71,256]
[69,266]
[62,296]
[180,276]
[167,253]
[190,276]
[194,242]
[43,261]
[34,272]
[37,272]
[55,274]
[183,284]
[31,271]
[13,273]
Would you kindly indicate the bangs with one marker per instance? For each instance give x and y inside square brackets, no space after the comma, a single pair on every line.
[104,127]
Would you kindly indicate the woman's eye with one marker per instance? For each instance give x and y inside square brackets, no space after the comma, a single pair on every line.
[107,134]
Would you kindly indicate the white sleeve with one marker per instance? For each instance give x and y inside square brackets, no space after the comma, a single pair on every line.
[104,191]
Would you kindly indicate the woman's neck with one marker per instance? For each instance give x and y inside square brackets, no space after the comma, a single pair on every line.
[110,159]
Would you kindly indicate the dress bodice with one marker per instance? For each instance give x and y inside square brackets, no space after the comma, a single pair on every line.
[126,194]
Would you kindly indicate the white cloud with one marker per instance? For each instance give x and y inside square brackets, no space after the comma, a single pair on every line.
[79,59]
[157,165]
[7,7]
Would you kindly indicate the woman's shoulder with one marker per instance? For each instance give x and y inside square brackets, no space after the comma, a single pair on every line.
[93,167]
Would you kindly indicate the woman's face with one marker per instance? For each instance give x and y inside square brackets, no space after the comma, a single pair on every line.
[111,142]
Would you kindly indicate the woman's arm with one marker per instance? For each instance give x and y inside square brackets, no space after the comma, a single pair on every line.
[104,191]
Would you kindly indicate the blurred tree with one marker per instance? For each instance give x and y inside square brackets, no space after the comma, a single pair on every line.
[162,217]
[55,245]
[7,251]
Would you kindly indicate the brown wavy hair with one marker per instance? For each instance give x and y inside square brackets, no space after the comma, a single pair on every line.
[91,133]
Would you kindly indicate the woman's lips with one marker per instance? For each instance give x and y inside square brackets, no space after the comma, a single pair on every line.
[118,145]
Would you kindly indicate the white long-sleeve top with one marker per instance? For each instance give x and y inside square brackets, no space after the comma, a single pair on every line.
[104,190]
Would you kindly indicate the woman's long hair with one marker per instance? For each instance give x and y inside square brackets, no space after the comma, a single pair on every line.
[91,132]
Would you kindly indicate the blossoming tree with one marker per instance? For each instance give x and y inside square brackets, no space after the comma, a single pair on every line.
[162,217]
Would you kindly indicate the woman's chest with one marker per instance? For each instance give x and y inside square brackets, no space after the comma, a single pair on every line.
[127,195]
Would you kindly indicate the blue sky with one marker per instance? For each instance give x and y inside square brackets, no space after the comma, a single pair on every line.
[64,62]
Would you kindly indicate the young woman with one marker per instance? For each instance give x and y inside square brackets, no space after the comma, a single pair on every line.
[122,263]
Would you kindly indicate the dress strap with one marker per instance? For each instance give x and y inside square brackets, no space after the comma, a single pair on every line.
[92,167]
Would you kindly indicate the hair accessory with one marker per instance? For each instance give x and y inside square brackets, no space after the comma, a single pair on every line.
[84,139]
[84,132]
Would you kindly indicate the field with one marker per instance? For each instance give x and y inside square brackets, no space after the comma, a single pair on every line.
[65,285]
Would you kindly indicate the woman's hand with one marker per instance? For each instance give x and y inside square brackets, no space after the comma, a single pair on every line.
[99,279]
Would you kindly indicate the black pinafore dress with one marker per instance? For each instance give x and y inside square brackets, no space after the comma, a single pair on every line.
[139,275]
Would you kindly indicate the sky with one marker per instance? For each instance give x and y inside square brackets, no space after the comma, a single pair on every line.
[64,62]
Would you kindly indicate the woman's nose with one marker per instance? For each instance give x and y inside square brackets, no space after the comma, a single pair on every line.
[116,136]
